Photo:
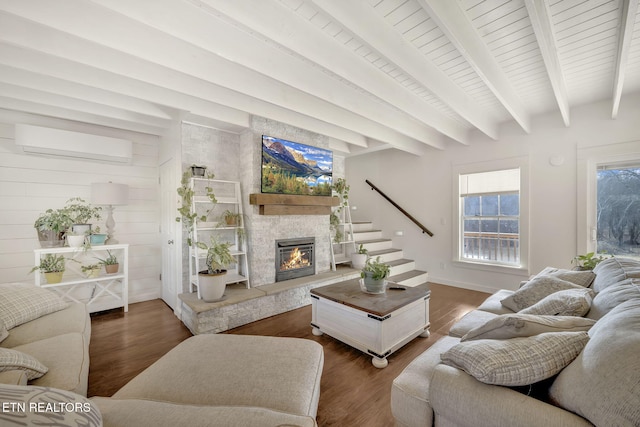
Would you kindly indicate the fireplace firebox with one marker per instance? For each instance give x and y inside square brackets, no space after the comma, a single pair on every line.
[295,258]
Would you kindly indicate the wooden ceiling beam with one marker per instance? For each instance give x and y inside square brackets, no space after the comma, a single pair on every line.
[455,25]
[627,21]
[540,17]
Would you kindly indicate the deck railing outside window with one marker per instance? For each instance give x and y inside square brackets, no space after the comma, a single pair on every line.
[498,247]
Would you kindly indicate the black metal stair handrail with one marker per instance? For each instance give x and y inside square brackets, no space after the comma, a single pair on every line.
[407,214]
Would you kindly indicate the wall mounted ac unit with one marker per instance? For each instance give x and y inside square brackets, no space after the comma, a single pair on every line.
[64,143]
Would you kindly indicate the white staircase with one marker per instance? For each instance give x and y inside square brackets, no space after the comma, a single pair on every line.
[403,271]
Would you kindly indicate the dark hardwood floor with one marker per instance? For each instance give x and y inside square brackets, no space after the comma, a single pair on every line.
[353,391]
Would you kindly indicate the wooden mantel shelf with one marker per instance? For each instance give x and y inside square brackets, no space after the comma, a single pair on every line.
[288,204]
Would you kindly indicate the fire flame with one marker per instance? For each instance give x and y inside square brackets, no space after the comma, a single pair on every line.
[296,259]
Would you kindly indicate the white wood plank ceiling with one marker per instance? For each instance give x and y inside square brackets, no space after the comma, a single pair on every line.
[413,75]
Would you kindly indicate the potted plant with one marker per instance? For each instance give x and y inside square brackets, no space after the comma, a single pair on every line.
[231,219]
[52,266]
[198,171]
[75,239]
[374,274]
[359,258]
[212,281]
[96,237]
[51,226]
[587,261]
[111,264]
[80,212]
[91,271]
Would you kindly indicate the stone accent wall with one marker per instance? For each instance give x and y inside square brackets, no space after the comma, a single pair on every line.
[239,158]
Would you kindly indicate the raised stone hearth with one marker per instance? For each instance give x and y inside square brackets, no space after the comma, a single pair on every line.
[242,305]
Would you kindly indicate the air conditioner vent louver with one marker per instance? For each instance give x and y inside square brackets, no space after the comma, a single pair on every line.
[64,143]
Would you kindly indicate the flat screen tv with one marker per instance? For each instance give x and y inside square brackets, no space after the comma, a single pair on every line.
[293,168]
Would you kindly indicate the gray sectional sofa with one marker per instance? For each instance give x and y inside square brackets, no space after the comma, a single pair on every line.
[213,380]
[531,367]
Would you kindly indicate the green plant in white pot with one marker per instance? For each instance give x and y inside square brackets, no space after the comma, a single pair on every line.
[212,281]
[374,274]
[359,258]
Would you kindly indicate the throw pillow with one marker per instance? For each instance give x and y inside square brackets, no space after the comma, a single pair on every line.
[570,302]
[612,296]
[535,290]
[45,406]
[3,331]
[12,359]
[517,361]
[21,303]
[508,326]
[583,278]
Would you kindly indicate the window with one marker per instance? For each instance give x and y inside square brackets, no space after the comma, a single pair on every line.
[618,209]
[490,217]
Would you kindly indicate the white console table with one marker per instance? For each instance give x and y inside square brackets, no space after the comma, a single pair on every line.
[105,292]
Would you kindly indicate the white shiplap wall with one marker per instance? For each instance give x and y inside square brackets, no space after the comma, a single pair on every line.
[31,184]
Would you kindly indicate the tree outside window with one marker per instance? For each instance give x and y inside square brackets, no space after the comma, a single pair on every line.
[618,210]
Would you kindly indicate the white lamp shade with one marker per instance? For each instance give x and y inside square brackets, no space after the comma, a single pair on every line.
[108,193]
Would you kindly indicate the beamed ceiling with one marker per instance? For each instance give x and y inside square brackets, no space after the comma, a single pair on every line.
[414,75]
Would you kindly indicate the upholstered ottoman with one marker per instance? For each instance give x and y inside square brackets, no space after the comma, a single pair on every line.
[264,375]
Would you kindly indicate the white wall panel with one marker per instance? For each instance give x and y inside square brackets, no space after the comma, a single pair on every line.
[31,184]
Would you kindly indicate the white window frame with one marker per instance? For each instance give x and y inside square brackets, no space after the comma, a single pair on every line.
[588,160]
[521,163]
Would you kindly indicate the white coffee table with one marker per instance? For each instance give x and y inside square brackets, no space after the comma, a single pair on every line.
[375,324]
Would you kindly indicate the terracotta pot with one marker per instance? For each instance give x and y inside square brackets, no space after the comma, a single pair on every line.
[111,268]
[212,286]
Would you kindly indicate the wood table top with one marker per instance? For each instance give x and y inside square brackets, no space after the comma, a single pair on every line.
[350,294]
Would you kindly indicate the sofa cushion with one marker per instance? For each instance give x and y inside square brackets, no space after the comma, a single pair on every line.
[517,361]
[570,302]
[603,383]
[614,270]
[15,377]
[583,278]
[410,391]
[66,356]
[12,359]
[44,406]
[143,413]
[535,290]
[74,318]
[614,295]
[21,302]
[517,325]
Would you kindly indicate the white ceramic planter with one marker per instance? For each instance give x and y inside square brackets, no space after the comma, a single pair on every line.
[75,241]
[358,260]
[212,286]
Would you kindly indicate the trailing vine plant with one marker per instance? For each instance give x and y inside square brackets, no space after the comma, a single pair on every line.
[341,188]
[186,193]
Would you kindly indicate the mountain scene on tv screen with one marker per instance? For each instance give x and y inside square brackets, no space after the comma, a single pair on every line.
[292,168]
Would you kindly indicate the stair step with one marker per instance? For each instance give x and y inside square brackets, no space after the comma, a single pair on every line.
[410,278]
[367,235]
[375,244]
[387,255]
[399,266]
[362,225]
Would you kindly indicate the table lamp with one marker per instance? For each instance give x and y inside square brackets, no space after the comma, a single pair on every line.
[110,195]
